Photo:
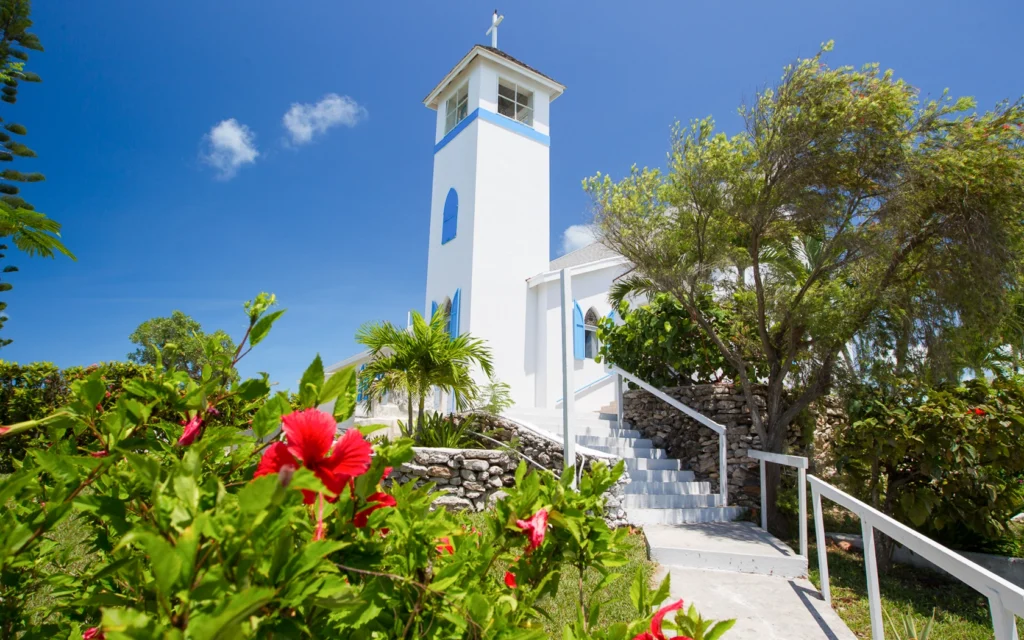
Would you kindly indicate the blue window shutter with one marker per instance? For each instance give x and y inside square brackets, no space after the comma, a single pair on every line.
[611,315]
[433,310]
[450,219]
[453,321]
[579,338]
[361,387]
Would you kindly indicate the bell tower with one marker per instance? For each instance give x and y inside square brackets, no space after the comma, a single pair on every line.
[490,200]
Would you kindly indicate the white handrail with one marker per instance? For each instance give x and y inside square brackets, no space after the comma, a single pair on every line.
[664,397]
[723,470]
[592,383]
[1006,600]
[800,463]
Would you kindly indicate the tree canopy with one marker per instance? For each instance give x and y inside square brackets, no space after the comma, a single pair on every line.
[844,197]
[181,341]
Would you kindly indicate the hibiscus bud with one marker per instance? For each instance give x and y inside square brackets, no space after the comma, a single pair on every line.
[93,633]
[212,410]
[98,454]
[284,476]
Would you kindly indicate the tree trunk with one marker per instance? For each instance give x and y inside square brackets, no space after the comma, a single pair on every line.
[419,425]
[773,482]
[409,426]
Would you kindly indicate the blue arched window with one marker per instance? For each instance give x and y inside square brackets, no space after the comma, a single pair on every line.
[450,220]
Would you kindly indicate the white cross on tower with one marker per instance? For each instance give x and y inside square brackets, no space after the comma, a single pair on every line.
[493,31]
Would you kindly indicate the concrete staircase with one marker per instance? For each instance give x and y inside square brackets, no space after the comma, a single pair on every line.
[660,490]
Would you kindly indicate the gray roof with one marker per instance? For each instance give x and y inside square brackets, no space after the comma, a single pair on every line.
[583,255]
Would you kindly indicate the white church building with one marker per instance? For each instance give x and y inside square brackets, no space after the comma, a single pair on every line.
[489,261]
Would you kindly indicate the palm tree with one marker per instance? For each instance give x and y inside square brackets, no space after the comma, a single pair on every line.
[31,231]
[419,358]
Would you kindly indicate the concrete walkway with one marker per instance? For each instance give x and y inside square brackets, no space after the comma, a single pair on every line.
[765,607]
[737,570]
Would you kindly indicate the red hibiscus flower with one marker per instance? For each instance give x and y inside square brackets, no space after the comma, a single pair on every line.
[978,411]
[535,528]
[446,546]
[510,580]
[191,431]
[93,633]
[381,500]
[308,438]
[656,633]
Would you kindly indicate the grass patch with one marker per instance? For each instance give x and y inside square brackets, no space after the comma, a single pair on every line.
[615,603]
[962,613]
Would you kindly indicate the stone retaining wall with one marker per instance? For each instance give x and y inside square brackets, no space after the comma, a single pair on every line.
[475,478]
[696,445]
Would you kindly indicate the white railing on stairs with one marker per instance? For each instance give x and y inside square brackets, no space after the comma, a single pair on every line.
[801,471]
[1006,600]
[586,387]
[723,481]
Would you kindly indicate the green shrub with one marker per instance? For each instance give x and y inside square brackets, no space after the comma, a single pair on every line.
[661,344]
[193,527]
[946,460]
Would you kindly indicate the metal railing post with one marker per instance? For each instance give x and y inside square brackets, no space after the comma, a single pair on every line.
[819,538]
[1004,624]
[568,397]
[871,569]
[723,470]
[801,475]
[618,399]
[764,495]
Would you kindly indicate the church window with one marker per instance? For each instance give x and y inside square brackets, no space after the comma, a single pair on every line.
[457,108]
[590,333]
[450,219]
[515,102]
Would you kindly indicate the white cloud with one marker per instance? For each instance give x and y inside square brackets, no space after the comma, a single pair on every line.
[228,146]
[303,121]
[578,236]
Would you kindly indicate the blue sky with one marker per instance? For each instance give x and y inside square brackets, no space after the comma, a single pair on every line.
[336,226]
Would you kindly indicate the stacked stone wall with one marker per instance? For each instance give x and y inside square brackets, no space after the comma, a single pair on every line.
[474,478]
[697,445]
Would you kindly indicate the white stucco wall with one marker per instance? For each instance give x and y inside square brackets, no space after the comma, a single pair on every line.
[589,290]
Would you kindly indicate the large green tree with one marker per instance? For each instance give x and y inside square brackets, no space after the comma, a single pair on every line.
[843,192]
[415,360]
[29,230]
[181,341]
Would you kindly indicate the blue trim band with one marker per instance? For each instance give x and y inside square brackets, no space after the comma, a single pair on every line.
[494,118]
[515,127]
[456,131]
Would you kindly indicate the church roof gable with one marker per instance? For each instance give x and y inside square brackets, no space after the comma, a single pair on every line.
[590,253]
[499,56]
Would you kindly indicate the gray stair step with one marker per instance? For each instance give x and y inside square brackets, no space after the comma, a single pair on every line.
[652,463]
[607,433]
[632,452]
[653,501]
[660,475]
[674,488]
[612,441]
[645,517]
[724,546]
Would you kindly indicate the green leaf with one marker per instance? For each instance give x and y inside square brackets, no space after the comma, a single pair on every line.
[479,608]
[268,418]
[258,494]
[225,625]
[262,327]
[341,385]
[252,389]
[164,562]
[310,384]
